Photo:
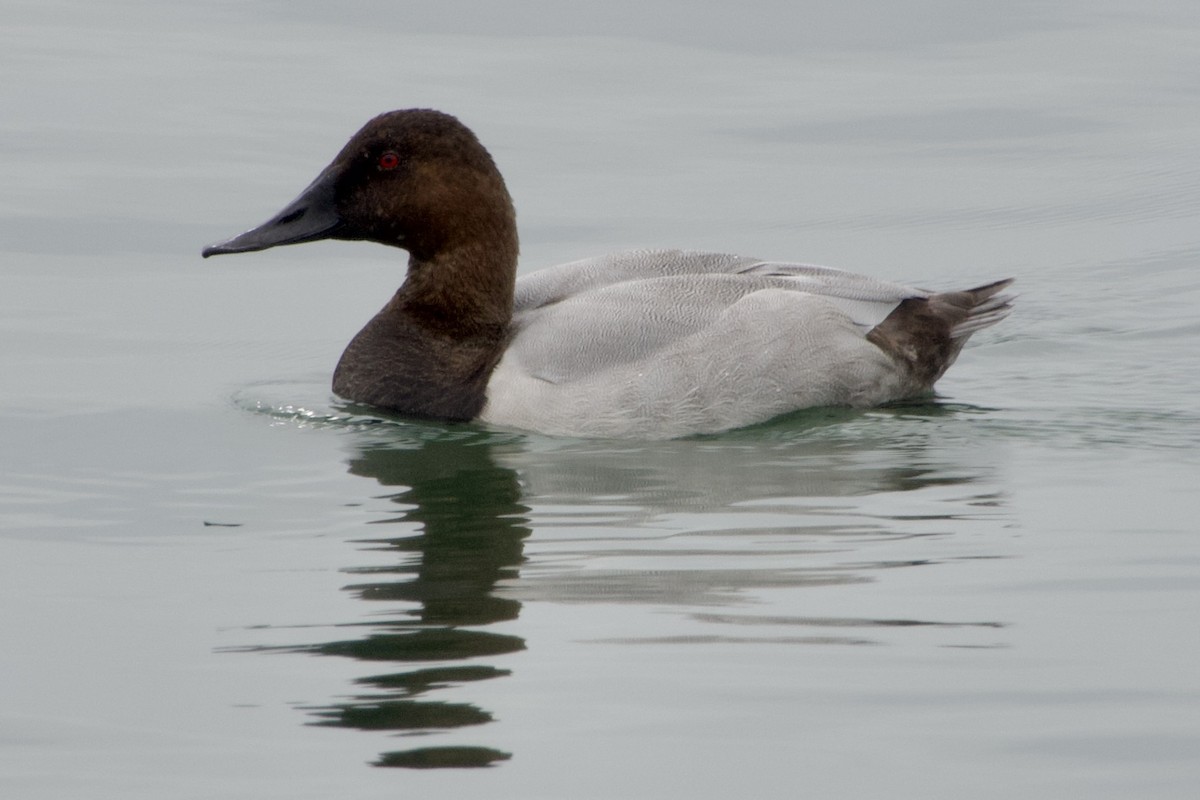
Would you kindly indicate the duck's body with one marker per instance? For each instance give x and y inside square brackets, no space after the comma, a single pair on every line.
[652,344]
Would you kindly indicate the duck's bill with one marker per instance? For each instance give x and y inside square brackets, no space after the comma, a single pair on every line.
[311,216]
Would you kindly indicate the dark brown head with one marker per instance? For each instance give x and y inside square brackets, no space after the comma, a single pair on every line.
[416,179]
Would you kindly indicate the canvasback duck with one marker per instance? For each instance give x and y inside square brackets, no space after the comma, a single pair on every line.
[647,344]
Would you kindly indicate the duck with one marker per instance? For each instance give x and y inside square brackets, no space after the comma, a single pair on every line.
[648,344]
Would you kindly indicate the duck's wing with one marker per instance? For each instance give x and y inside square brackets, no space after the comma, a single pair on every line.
[548,286]
[582,318]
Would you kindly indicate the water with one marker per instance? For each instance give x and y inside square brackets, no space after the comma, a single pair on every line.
[219,581]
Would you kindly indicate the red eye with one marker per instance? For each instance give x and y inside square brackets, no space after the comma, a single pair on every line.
[389,160]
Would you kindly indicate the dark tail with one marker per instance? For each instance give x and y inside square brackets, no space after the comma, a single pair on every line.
[927,333]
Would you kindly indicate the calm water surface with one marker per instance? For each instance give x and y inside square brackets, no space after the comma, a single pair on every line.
[219,581]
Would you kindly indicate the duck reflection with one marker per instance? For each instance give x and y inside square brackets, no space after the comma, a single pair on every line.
[470,525]
[698,525]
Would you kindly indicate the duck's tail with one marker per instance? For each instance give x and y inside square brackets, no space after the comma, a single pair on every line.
[926,333]
[985,306]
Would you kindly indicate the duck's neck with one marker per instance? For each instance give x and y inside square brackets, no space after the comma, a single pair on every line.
[464,291]
[430,351]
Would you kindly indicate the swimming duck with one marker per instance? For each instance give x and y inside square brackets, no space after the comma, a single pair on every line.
[646,344]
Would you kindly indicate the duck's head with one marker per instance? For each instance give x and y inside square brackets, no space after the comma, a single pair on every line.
[416,179]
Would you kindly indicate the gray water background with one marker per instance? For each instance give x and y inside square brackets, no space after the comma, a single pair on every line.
[218,581]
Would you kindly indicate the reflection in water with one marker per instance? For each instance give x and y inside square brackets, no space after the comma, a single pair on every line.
[826,498]
[471,527]
[704,526]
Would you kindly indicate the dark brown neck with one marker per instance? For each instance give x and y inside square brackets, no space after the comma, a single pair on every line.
[432,349]
[462,291]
